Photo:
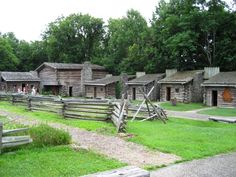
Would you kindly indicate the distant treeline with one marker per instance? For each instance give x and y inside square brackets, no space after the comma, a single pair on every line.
[183,34]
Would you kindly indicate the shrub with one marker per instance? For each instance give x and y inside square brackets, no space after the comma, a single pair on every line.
[44,135]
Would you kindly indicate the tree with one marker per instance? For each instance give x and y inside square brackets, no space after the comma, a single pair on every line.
[75,38]
[8,60]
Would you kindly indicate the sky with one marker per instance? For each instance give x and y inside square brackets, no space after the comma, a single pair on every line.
[29,18]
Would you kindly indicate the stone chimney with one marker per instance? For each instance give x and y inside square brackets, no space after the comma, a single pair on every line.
[86,75]
[170,72]
[139,74]
[210,72]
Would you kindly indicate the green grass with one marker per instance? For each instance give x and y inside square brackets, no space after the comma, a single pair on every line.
[227,112]
[98,126]
[182,106]
[53,161]
[189,139]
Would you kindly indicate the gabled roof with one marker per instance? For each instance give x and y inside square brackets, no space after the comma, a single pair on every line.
[222,79]
[19,76]
[68,66]
[104,81]
[181,77]
[146,79]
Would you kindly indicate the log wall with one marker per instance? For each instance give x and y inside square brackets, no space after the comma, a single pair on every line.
[220,100]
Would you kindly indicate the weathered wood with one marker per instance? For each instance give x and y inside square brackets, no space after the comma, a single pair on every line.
[1,130]
[142,103]
[5,132]
[129,171]
[228,120]
[11,141]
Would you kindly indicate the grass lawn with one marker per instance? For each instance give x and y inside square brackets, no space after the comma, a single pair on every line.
[182,106]
[53,161]
[98,126]
[228,112]
[189,139]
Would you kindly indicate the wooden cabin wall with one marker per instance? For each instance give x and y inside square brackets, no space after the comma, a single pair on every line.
[111,90]
[177,91]
[220,99]
[89,91]
[13,86]
[48,76]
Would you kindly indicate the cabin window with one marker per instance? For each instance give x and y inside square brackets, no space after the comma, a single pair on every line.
[177,90]
[227,95]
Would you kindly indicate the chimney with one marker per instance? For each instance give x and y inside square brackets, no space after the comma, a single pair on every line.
[86,75]
[210,72]
[170,72]
[139,74]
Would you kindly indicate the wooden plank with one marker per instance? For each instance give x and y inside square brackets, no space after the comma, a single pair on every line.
[129,171]
[228,120]
[13,144]
[13,139]
[5,132]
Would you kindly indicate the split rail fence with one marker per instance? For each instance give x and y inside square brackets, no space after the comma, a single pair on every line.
[86,109]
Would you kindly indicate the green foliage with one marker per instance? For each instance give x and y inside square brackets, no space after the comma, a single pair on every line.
[189,139]
[226,112]
[44,135]
[54,162]
[182,106]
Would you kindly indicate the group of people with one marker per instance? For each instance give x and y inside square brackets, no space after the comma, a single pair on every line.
[26,90]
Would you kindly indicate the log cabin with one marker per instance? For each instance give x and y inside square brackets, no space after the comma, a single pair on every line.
[106,87]
[145,82]
[184,86]
[220,90]
[68,79]
[19,81]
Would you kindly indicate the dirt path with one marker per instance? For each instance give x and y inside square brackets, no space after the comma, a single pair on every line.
[113,147]
[217,166]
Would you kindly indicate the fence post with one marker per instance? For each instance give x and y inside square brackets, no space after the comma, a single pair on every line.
[63,109]
[29,104]
[13,99]
[1,132]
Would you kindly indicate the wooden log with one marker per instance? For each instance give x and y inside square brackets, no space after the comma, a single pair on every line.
[128,171]
[84,118]
[1,133]
[5,132]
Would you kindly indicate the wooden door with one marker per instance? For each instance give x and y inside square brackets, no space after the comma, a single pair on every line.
[214,97]
[134,93]
[168,93]
[95,92]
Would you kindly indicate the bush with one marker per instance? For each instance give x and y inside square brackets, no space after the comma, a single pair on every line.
[44,135]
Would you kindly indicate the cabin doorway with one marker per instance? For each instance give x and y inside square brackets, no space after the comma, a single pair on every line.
[214,97]
[168,93]
[70,91]
[95,92]
[23,87]
[134,94]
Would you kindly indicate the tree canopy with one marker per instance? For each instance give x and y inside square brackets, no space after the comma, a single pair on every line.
[183,34]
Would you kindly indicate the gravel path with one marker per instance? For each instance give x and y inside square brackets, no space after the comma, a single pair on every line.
[113,147]
[217,166]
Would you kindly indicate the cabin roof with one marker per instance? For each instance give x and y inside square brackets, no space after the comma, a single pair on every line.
[67,66]
[181,77]
[146,79]
[19,76]
[222,79]
[104,81]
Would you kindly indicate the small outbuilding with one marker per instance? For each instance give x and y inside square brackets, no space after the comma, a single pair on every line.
[184,86]
[19,81]
[145,82]
[107,87]
[68,78]
[220,90]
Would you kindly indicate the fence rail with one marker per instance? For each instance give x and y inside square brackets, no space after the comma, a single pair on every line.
[86,109]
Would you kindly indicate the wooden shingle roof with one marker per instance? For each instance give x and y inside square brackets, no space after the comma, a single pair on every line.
[181,77]
[104,81]
[67,66]
[19,76]
[222,79]
[146,79]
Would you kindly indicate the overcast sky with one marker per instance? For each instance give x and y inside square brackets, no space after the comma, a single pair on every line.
[29,18]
